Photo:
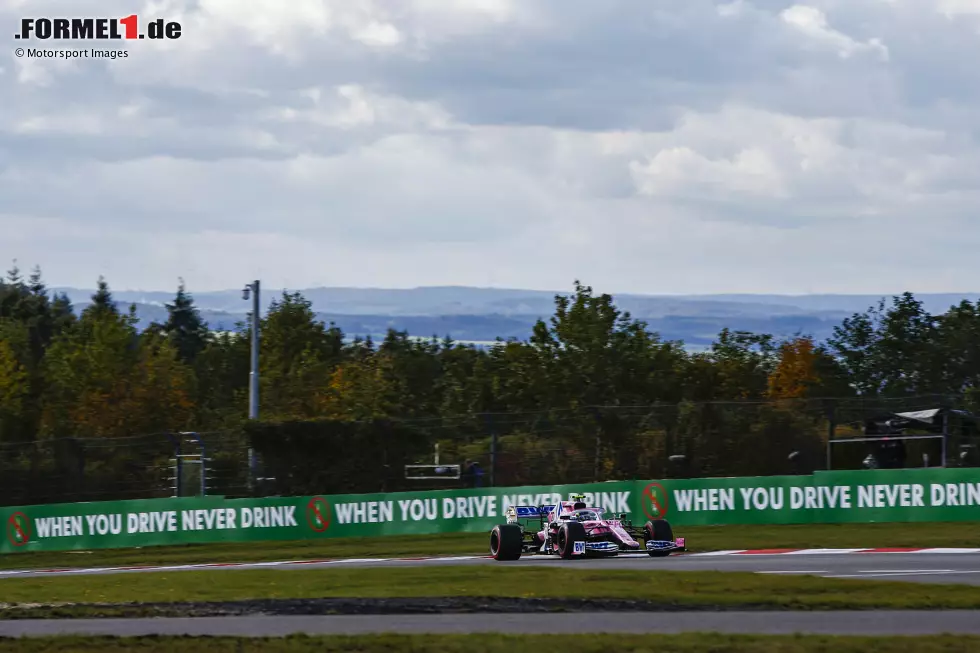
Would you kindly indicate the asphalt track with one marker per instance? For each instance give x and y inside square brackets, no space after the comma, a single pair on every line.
[774,623]
[961,566]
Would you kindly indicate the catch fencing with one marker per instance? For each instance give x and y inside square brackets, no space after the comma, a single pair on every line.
[534,448]
[157,465]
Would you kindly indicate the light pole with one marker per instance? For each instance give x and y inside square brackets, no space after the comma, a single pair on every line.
[253,375]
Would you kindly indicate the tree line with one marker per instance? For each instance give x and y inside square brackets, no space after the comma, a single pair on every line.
[589,377]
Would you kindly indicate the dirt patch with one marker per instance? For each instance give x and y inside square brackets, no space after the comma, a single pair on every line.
[346,606]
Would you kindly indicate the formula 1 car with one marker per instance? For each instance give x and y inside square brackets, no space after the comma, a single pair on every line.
[572,529]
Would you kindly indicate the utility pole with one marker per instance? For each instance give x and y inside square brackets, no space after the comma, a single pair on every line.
[253,375]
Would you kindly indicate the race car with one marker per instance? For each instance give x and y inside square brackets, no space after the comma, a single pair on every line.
[573,529]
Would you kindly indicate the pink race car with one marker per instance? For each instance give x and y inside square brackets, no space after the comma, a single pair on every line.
[573,529]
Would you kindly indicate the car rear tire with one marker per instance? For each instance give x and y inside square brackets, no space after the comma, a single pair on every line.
[506,542]
[658,530]
[568,535]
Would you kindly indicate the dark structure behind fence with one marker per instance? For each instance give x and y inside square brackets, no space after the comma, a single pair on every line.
[534,448]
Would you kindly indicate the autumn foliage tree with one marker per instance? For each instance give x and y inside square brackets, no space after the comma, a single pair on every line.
[795,374]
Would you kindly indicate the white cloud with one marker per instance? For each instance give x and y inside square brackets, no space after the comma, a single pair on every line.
[752,145]
[956,7]
[812,22]
[750,171]
[352,106]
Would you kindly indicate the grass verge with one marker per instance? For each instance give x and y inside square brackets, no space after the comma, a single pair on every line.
[700,538]
[665,589]
[687,643]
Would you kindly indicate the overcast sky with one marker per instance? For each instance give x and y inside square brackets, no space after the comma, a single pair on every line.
[661,146]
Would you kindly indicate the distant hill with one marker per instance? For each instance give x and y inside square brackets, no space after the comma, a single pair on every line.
[483,314]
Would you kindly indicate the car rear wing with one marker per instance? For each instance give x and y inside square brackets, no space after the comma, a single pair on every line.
[514,513]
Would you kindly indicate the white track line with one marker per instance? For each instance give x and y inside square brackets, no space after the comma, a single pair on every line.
[911,573]
[906,571]
[748,553]
[798,552]
[225,565]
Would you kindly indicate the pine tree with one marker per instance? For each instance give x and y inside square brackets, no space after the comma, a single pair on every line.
[185,328]
[102,301]
[36,284]
[37,314]
[62,314]
[12,291]
[14,277]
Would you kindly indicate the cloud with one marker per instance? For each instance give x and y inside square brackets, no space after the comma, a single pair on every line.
[693,146]
[812,22]
[953,8]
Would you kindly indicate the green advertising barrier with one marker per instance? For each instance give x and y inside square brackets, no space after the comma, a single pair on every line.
[907,495]
[156,522]
[900,495]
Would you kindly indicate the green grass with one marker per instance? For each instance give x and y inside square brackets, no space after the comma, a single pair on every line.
[687,643]
[685,589]
[700,538]
[360,547]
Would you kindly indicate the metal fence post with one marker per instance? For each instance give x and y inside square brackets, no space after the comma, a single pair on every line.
[493,457]
[598,454]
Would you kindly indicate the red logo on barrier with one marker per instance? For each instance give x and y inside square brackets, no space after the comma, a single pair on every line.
[655,501]
[318,514]
[18,529]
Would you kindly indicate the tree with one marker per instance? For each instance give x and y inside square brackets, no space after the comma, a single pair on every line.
[157,394]
[102,301]
[955,355]
[298,354]
[520,378]
[62,314]
[591,382]
[38,316]
[888,351]
[12,290]
[795,375]
[362,390]
[184,327]
[416,371]
[15,316]
[14,277]
[29,320]
[222,375]
[86,370]
[594,355]
[461,387]
[744,362]
[13,394]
